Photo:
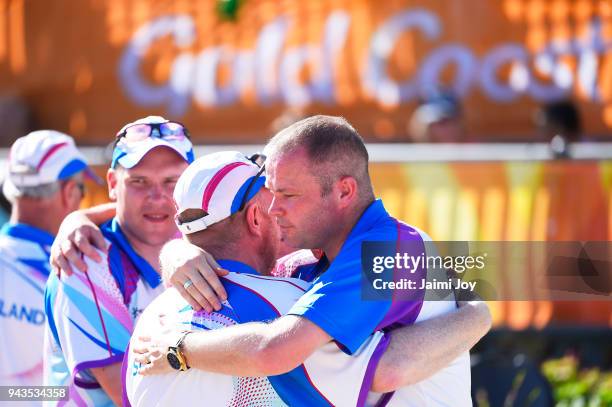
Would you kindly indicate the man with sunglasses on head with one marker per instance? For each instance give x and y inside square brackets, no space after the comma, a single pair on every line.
[44,183]
[91,316]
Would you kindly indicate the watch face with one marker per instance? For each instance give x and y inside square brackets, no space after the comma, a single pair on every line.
[174,361]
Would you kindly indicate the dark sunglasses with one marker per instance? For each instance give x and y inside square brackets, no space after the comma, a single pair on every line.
[259,160]
[167,130]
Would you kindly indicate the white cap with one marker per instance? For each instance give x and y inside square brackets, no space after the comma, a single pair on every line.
[217,184]
[128,154]
[43,157]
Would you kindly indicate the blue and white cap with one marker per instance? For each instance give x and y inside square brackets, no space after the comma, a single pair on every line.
[43,157]
[216,183]
[128,153]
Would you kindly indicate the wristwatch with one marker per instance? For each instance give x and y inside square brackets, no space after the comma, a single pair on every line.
[175,356]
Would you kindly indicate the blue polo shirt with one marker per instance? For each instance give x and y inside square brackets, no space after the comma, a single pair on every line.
[335,303]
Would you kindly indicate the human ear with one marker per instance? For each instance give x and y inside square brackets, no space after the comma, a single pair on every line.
[346,190]
[254,218]
[111,181]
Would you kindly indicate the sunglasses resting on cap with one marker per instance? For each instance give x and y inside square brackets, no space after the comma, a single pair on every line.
[136,139]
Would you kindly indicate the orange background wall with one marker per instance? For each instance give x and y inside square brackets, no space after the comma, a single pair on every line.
[64,61]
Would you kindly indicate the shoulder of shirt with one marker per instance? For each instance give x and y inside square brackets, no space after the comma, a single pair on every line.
[424,235]
[384,232]
[12,250]
[12,246]
[391,225]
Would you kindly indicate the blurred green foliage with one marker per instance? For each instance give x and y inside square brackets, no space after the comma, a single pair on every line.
[576,387]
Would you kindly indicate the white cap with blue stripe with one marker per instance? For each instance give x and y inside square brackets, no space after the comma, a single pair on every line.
[219,184]
[43,157]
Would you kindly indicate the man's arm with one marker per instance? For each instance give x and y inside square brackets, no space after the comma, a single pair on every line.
[253,349]
[258,349]
[418,351]
[79,236]
[109,377]
[99,214]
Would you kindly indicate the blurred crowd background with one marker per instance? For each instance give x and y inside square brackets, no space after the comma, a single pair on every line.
[485,119]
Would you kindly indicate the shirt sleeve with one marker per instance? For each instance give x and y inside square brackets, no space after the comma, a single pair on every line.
[91,322]
[330,377]
[336,304]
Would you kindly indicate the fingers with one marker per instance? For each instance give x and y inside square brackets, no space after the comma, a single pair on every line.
[142,345]
[73,255]
[151,357]
[214,265]
[200,268]
[189,298]
[142,358]
[211,272]
[97,239]
[195,297]
[83,243]
[62,265]
[148,357]
[157,363]
[58,261]
[203,288]
[205,292]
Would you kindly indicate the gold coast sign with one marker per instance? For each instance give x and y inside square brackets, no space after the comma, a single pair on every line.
[272,70]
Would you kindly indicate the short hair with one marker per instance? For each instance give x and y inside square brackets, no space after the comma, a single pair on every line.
[220,239]
[329,142]
[225,231]
[38,191]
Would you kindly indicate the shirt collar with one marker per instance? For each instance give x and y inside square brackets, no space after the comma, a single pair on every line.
[370,218]
[112,231]
[27,232]
[236,266]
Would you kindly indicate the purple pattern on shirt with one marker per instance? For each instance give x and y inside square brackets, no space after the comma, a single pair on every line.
[91,364]
[130,278]
[406,304]
[368,378]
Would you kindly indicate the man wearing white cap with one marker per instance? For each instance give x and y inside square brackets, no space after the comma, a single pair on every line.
[317,170]
[91,316]
[44,183]
[222,207]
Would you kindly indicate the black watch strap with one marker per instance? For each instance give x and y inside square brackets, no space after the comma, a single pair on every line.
[175,356]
